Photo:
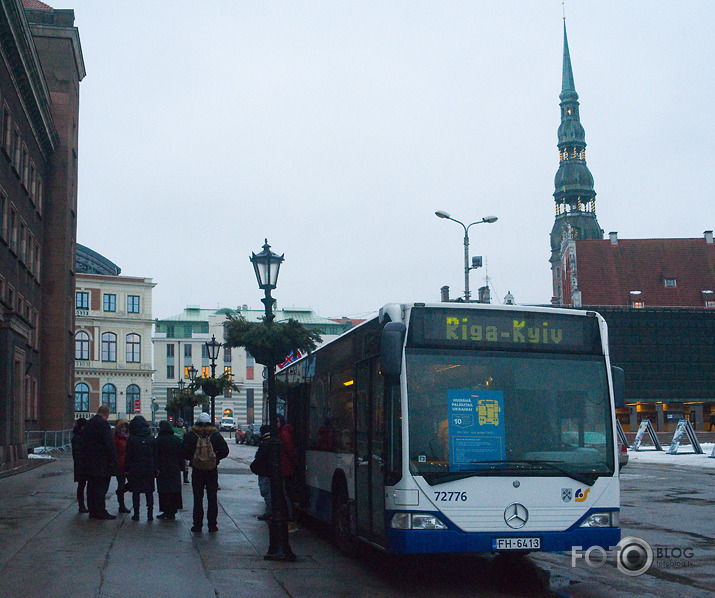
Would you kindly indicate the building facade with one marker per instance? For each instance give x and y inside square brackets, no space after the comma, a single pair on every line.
[41,67]
[180,343]
[112,339]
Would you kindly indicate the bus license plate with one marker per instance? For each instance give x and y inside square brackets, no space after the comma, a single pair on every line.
[516,543]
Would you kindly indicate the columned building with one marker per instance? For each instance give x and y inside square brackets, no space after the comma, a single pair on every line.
[41,67]
[112,339]
[180,343]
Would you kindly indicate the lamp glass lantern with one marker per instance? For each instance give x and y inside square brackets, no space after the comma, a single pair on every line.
[266,266]
[192,371]
[212,347]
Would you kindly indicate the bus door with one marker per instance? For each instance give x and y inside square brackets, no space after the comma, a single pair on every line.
[369,471]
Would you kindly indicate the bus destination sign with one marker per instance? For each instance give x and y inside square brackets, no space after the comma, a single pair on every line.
[500,329]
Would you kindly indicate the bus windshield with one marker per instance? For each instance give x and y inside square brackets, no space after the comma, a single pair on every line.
[508,413]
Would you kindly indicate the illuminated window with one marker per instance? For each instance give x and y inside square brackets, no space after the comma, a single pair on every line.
[670,282]
[249,372]
[638,305]
[205,372]
[227,371]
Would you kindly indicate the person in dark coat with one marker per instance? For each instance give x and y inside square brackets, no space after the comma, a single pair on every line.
[204,478]
[170,465]
[80,475]
[99,458]
[121,436]
[140,462]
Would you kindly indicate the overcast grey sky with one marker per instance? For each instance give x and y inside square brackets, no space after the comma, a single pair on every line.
[336,129]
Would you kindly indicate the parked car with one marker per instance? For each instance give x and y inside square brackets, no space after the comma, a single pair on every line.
[227,424]
[240,434]
[253,438]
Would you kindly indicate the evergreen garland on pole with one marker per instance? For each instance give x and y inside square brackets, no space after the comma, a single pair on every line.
[271,343]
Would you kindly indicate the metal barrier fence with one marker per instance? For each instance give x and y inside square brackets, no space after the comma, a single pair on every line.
[49,441]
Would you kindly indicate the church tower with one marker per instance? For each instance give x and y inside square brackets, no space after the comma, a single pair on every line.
[574,194]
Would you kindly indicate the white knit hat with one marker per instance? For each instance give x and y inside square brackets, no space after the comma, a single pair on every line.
[204,418]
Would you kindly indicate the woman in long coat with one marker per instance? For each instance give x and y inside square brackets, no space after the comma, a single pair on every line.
[170,465]
[140,462]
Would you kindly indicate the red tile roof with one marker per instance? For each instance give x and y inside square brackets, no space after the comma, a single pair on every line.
[36,5]
[607,272]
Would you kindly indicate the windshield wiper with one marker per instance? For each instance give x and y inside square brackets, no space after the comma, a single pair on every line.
[584,478]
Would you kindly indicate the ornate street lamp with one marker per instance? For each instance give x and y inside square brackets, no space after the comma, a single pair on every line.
[266,266]
[212,348]
[467,267]
[192,371]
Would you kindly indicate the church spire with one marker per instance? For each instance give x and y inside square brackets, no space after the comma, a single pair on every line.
[574,195]
[568,89]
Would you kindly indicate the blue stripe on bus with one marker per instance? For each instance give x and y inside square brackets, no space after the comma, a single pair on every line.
[456,541]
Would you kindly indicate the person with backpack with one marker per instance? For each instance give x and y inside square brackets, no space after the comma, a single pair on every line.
[204,447]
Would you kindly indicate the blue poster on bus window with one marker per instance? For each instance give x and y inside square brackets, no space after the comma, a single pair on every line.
[476,428]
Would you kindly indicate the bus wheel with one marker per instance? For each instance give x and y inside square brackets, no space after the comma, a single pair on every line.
[342,532]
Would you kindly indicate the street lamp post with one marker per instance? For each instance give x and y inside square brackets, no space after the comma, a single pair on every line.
[266,266]
[212,348]
[467,267]
[182,384]
[192,376]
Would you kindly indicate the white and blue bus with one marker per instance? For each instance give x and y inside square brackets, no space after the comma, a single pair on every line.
[460,428]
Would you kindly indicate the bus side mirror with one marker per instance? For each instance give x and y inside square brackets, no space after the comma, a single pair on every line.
[619,386]
[393,337]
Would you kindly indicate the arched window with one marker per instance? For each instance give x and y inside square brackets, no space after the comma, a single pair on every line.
[81,397]
[109,397]
[134,348]
[133,396]
[81,345]
[109,346]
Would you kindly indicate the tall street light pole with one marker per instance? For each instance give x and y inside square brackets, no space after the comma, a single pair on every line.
[266,266]
[212,347]
[466,227]
[192,376]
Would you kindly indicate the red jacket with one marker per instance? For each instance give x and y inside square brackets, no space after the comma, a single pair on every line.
[120,443]
[289,454]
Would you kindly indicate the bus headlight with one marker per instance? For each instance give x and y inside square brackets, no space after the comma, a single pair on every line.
[603,519]
[416,521]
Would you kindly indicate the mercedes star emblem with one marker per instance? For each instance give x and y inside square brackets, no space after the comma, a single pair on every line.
[516,515]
